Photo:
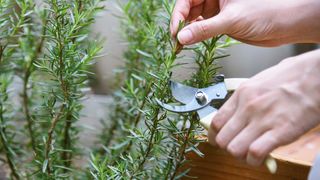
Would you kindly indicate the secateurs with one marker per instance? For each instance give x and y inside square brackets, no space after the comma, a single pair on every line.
[202,101]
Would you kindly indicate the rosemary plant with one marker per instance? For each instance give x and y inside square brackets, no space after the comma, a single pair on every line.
[13,16]
[147,142]
[46,45]
[66,61]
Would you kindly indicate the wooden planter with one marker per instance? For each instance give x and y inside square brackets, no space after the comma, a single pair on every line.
[294,162]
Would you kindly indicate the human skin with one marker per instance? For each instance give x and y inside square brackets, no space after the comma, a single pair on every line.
[262,23]
[278,105]
[271,109]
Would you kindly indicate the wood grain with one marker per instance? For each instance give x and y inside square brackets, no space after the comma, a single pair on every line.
[294,162]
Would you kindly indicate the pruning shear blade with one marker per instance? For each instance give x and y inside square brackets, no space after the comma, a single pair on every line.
[195,99]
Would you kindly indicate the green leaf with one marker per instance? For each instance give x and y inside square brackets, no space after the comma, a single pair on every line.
[45,165]
[143,53]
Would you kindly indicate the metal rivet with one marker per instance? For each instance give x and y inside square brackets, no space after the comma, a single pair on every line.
[201,97]
[219,78]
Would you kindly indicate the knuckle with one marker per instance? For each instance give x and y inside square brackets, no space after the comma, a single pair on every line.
[233,127]
[234,151]
[204,29]
[256,152]
[283,136]
[244,89]
[275,139]
[251,106]
[220,142]
[250,91]
[215,124]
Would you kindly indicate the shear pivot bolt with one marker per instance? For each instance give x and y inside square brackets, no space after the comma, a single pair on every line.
[219,78]
[201,98]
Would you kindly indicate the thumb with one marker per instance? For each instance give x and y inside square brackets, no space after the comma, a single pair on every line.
[201,30]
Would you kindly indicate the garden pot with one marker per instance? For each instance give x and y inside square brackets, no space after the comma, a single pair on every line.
[294,161]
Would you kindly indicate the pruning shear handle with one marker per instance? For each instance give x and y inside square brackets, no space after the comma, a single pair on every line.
[200,100]
[231,85]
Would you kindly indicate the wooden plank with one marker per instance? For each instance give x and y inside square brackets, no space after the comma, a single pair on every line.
[294,162]
[303,151]
[218,164]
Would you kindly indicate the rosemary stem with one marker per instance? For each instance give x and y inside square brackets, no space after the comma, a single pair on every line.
[182,150]
[66,155]
[6,147]
[53,125]
[26,80]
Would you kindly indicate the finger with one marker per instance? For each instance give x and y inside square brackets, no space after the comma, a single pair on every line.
[212,137]
[261,148]
[221,118]
[261,43]
[225,112]
[210,8]
[239,146]
[233,127]
[202,30]
[195,12]
[181,12]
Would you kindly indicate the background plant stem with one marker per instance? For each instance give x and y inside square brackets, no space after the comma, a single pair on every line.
[26,79]
[6,147]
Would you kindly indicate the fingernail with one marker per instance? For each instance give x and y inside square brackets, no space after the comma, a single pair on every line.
[185,36]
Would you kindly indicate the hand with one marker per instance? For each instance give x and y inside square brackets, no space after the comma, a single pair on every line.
[257,22]
[271,109]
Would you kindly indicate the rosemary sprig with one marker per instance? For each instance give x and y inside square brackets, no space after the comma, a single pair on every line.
[152,145]
[12,23]
[46,44]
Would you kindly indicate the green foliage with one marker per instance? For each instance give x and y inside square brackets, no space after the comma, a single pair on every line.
[146,142]
[45,49]
[45,46]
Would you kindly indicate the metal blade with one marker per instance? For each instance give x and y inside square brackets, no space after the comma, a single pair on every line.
[216,92]
[206,111]
[182,93]
[191,106]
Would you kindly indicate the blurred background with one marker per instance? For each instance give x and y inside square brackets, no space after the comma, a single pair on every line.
[245,60]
